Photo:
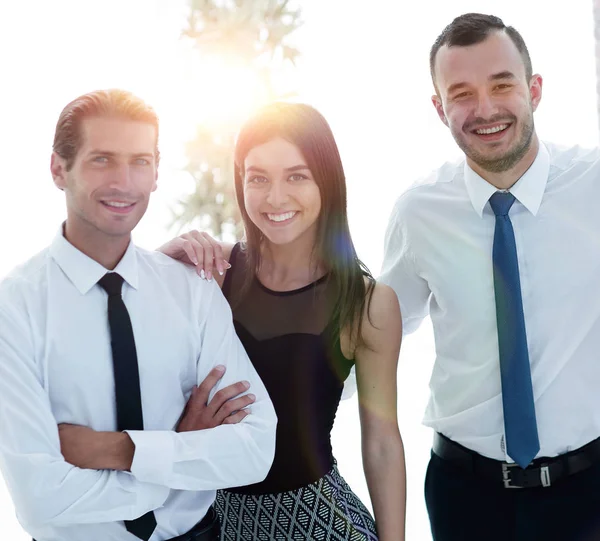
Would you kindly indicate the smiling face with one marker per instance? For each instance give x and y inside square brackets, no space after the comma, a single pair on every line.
[281,196]
[112,175]
[485,99]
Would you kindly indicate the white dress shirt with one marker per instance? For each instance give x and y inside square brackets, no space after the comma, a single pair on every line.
[438,259]
[56,367]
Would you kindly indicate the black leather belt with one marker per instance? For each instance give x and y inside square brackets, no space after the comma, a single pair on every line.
[208,529]
[542,472]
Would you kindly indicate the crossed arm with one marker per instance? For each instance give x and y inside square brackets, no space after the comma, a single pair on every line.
[95,450]
[74,475]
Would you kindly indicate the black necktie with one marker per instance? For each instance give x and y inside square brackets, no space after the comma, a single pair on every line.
[127,380]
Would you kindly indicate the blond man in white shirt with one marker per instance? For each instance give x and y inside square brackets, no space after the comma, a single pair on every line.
[72,472]
[502,251]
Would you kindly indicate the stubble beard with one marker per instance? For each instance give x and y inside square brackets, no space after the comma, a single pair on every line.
[507,161]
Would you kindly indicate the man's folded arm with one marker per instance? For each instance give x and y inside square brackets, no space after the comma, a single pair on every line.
[45,489]
[224,456]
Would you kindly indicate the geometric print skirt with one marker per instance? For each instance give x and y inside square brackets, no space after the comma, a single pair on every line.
[326,510]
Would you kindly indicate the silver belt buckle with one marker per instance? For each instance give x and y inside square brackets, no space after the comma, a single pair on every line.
[545,476]
[506,467]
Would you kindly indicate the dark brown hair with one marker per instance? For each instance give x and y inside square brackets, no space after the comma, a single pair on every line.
[473,28]
[307,129]
[113,102]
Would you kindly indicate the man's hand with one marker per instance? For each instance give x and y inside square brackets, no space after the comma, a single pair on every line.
[224,408]
[86,448]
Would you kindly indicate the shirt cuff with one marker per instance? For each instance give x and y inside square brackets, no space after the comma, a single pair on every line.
[150,498]
[153,456]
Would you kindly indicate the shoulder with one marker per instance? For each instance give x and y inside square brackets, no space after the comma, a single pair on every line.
[24,288]
[28,276]
[575,159]
[445,179]
[382,309]
[179,279]
[381,325]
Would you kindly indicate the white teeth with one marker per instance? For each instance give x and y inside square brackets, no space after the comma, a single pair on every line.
[281,217]
[487,131]
[117,204]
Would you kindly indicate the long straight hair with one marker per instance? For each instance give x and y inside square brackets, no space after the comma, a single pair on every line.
[307,129]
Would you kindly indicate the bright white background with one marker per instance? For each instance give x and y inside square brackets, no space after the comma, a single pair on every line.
[364,65]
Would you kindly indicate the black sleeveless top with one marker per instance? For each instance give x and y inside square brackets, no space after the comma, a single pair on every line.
[294,345]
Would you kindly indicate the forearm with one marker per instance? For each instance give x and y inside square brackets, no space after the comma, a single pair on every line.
[385,473]
[210,459]
[88,449]
[48,491]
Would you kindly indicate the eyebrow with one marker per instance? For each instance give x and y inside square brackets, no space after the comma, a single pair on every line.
[495,77]
[98,152]
[255,169]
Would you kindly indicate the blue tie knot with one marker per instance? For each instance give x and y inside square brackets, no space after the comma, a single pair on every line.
[501,203]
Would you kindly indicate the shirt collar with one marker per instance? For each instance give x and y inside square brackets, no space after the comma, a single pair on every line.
[83,271]
[529,189]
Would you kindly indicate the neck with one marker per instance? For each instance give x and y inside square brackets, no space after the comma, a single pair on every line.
[506,179]
[104,249]
[294,263]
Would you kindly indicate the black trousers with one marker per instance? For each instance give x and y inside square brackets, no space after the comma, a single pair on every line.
[463,507]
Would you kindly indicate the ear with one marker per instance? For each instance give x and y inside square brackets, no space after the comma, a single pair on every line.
[439,107]
[58,168]
[535,90]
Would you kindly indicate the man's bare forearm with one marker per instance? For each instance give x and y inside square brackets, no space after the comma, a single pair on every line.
[86,448]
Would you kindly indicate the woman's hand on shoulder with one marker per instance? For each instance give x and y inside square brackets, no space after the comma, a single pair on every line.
[209,256]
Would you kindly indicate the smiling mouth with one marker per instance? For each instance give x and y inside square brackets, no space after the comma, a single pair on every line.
[491,131]
[281,217]
[118,206]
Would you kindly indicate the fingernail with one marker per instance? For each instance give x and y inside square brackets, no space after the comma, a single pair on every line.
[209,276]
[246,384]
[228,265]
[194,260]
[252,397]
[202,274]
[220,368]
[221,272]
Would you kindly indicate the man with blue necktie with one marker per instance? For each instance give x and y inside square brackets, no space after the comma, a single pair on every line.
[503,252]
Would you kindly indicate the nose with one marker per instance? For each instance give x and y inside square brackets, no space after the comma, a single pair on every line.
[121,177]
[278,194]
[486,107]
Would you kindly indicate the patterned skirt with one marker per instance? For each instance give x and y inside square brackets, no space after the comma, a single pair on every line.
[326,510]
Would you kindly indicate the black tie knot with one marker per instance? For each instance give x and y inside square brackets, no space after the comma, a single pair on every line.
[112,283]
[501,203]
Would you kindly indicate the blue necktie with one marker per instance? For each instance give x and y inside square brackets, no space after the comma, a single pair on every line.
[520,427]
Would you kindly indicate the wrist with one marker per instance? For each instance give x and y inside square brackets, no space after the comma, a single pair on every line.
[118,451]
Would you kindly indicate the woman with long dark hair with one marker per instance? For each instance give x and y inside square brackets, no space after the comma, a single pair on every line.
[306,309]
